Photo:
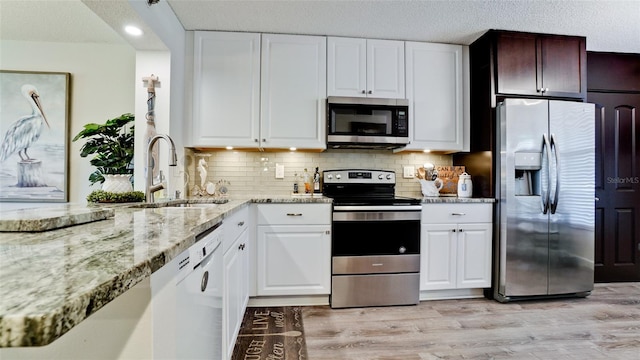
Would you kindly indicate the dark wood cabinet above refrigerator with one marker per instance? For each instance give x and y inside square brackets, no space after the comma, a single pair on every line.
[528,64]
[540,65]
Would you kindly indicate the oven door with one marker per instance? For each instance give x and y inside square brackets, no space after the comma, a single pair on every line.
[374,231]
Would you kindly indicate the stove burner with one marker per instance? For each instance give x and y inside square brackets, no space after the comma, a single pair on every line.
[356,187]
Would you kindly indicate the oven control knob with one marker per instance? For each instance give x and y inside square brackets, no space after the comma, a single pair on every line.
[389,176]
[329,176]
[338,176]
[380,177]
[402,250]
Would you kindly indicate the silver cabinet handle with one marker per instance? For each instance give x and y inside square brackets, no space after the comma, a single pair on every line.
[458,214]
[364,92]
[241,223]
[370,92]
[292,214]
[597,198]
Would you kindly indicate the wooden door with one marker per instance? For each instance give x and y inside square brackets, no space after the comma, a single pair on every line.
[617,251]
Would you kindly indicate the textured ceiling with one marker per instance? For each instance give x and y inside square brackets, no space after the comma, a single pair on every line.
[609,25]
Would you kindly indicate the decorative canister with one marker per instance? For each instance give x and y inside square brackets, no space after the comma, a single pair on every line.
[465,186]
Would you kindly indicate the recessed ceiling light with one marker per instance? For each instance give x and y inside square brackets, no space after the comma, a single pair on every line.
[133,30]
[426,151]
[229,147]
[292,149]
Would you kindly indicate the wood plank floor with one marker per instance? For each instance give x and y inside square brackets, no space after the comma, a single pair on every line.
[605,325]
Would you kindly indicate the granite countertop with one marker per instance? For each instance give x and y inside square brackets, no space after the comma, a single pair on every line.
[455,199]
[52,280]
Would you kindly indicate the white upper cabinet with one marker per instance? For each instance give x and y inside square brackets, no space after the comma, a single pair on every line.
[226,92]
[435,93]
[365,68]
[259,91]
[293,91]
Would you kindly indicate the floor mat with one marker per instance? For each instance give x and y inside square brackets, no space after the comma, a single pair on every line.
[269,333]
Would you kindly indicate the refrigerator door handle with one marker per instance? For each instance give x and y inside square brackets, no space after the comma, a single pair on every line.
[545,192]
[554,204]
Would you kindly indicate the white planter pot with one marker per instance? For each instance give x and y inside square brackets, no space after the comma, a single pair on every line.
[117,183]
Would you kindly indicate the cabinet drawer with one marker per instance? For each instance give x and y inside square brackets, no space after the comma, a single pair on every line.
[456,213]
[234,225]
[294,214]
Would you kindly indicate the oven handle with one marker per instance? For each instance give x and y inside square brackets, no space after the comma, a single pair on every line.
[376,216]
[417,208]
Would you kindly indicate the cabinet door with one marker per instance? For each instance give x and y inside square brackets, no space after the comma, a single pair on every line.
[385,69]
[438,249]
[516,64]
[474,256]
[244,273]
[563,66]
[293,91]
[226,92]
[434,90]
[542,65]
[346,67]
[232,293]
[293,260]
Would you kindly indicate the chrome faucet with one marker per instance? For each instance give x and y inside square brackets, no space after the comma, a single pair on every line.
[150,187]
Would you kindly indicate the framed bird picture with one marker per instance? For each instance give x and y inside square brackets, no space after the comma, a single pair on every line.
[34,141]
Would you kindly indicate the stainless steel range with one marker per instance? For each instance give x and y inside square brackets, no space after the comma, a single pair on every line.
[375,240]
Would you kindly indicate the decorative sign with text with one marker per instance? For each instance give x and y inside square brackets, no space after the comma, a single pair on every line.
[449,176]
[271,333]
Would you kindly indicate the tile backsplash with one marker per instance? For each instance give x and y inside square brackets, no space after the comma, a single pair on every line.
[253,173]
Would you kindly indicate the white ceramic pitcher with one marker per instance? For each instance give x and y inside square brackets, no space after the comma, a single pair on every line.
[431,188]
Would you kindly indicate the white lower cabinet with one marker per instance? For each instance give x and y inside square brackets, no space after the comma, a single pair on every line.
[236,278]
[293,249]
[455,247]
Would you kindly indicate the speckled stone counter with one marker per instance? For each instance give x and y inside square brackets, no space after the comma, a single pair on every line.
[49,218]
[455,199]
[50,281]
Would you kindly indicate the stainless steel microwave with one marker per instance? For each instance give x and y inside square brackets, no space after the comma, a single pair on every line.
[367,122]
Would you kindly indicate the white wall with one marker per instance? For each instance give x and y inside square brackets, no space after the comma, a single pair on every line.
[165,24]
[157,63]
[102,87]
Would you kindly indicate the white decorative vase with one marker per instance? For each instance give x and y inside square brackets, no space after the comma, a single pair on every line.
[117,183]
[431,188]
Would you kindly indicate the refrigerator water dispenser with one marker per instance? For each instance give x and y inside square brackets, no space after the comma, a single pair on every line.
[527,173]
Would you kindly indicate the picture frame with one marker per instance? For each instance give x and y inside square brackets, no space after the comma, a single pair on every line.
[34,149]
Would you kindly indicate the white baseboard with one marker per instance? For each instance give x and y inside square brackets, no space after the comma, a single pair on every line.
[309,300]
[451,294]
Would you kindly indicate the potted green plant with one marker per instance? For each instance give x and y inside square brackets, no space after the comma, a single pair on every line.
[112,145]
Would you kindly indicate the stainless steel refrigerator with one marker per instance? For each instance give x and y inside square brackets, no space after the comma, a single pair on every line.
[545,187]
